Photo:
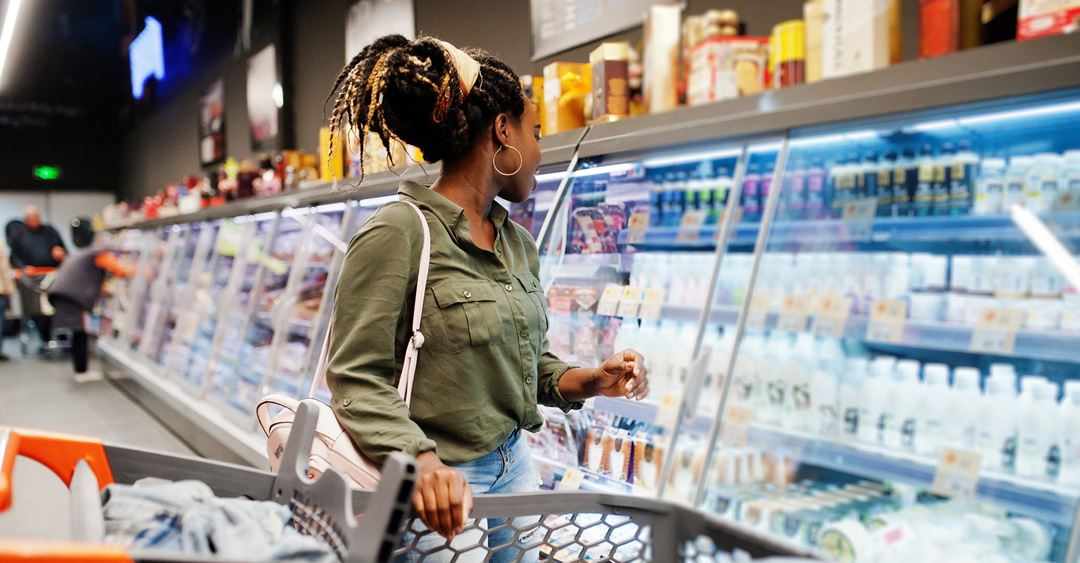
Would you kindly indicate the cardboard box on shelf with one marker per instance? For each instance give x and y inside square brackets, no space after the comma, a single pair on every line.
[1039,18]
[566,86]
[858,36]
[727,67]
[610,64]
[662,27]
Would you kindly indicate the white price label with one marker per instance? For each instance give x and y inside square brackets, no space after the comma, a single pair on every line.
[609,300]
[830,316]
[690,228]
[996,330]
[653,305]
[629,302]
[887,319]
[793,314]
[571,480]
[858,218]
[637,225]
[957,473]
[1067,200]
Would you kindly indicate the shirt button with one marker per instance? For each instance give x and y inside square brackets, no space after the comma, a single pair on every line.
[347,401]
[509,287]
[523,333]
[467,294]
[528,380]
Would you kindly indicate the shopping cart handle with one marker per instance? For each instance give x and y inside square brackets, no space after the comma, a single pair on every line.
[58,452]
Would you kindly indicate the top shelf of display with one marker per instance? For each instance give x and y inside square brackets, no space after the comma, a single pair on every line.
[988,73]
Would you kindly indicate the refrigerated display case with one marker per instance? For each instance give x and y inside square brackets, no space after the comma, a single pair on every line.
[837,297]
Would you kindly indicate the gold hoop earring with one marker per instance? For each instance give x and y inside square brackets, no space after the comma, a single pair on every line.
[521,161]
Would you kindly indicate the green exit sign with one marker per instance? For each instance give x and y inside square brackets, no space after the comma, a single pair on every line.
[47,173]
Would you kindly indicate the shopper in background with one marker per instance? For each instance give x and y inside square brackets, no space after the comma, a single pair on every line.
[7,292]
[35,248]
[75,289]
[485,363]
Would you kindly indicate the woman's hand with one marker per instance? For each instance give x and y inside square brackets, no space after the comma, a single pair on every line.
[623,375]
[442,498]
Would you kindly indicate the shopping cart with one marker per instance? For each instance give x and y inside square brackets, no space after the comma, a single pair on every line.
[322,508]
[33,302]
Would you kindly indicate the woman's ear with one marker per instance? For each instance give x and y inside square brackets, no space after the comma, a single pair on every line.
[502,129]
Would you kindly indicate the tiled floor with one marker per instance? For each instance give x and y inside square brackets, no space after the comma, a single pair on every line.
[39,393]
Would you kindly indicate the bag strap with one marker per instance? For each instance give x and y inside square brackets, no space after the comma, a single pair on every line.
[416,340]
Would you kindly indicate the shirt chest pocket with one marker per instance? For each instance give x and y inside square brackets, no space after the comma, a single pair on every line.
[469,311]
[535,294]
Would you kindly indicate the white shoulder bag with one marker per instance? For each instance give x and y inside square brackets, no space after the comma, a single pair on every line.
[332,446]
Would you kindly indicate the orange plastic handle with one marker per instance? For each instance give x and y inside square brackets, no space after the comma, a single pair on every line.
[42,552]
[58,452]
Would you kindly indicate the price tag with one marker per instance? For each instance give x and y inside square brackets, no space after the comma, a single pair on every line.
[957,473]
[690,228]
[793,313]
[995,332]
[667,412]
[887,318]
[571,480]
[1067,200]
[609,300]
[830,316]
[737,425]
[757,316]
[653,305]
[629,302]
[637,225]
[858,216]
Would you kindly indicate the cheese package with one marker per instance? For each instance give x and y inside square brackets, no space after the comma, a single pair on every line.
[727,67]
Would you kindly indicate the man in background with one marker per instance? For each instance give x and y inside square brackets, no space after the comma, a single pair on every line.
[36,249]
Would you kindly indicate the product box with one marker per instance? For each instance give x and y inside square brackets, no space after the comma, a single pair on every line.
[610,64]
[648,463]
[566,87]
[857,36]
[534,90]
[330,169]
[726,67]
[662,28]
[814,15]
[1039,18]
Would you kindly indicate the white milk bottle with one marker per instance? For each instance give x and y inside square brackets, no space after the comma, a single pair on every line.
[934,407]
[1038,437]
[800,413]
[824,396]
[872,396]
[903,406]
[851,382]
[884,368]
[999,417]
[1070,435]
[966,400]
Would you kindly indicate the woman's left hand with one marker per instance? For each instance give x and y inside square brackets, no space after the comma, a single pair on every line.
[623,375]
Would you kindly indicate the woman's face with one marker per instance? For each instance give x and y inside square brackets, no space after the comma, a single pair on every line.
[524,135]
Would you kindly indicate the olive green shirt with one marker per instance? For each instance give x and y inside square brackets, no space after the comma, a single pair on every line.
[484,364]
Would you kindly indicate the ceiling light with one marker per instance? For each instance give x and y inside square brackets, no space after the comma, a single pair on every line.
[8,32]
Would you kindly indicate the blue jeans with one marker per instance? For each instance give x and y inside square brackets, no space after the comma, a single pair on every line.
[508,469]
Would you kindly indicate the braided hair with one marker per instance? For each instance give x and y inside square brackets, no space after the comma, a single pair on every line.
[409,91]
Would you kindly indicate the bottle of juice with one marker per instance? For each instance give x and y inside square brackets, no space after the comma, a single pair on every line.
[869,174]
[886,189]
[990,189]
[1016,182]
[794,196]
[923,201]
[962,180]
[905,183]
[942,177]
[843,182]
[817,200]
[766,185]
[751,188]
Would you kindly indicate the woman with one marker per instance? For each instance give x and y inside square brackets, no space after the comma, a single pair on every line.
[484,365]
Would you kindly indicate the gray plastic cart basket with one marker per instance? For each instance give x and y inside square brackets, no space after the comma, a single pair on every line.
[321,507]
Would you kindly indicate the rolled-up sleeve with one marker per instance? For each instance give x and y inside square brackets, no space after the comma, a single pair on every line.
[362,371]
[550,367]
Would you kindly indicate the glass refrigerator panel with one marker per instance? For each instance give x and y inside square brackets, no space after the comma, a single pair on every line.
[119,293]
[167,246]
[915,340]
[296,312]
[627,263]
[194,301]
[230,356]
[185,308]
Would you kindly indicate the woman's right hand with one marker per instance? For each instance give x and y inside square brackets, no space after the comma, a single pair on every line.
[442,497]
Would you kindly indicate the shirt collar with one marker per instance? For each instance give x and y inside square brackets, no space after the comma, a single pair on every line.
[449,212]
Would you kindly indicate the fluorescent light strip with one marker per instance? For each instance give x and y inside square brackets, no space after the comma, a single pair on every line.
[765,147]
[550,176]
[611,168]
[935,125]
[8,32]
[255,218]
[693,157]
[1020,113]
[377,201]
[1045,240]
[330,207]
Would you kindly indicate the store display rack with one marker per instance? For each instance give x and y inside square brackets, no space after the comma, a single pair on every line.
[579,172]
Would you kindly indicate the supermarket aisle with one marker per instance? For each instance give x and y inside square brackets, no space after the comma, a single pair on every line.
[41,394]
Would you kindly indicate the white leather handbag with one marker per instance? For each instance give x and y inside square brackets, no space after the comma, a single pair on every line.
[332,446]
